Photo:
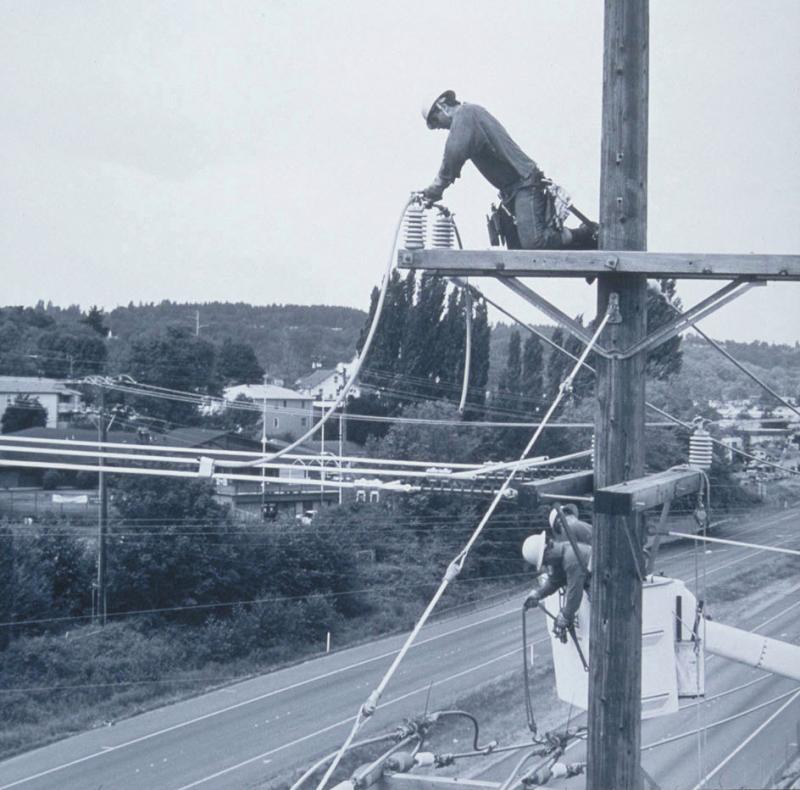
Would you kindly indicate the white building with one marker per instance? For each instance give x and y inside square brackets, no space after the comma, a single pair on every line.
[325,384]
[288,413]
[58,400]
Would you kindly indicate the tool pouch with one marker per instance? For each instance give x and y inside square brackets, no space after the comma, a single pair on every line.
[502,228]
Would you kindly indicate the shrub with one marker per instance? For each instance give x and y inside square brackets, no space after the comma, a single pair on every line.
[51,479]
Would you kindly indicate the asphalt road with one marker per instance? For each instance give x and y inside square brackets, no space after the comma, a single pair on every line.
[244,734]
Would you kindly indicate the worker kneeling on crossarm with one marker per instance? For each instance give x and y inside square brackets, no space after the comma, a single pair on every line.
[560,566]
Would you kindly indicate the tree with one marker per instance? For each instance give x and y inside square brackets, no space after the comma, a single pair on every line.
[6,582]
[71,351]
[422,346]
[381,365]
[53,572]
[175,359]
[94,320]
[407,441]
[665,360]
[237,363]
[165,499]
[479,364]
[532,380]
[23,412]
[510,379]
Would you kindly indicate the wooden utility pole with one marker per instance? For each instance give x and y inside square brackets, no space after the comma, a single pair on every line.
[102,519]
[613,759]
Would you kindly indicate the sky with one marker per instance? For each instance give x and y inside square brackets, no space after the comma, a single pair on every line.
[261,151]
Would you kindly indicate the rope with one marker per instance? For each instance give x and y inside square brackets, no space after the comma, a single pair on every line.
[369,707]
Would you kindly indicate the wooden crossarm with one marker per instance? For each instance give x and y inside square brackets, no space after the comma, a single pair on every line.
[590,263]
[636,496]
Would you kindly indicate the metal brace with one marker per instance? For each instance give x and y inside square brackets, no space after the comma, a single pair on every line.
[615,316]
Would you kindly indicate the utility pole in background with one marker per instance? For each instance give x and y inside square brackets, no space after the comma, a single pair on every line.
[264,449]
[614,738]
[102,520]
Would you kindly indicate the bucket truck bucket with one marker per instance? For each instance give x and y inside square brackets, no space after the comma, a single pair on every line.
[672,663]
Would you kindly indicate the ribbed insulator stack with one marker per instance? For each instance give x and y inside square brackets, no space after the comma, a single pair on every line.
[414,230]
[701,449]
[443,232]
[592,456]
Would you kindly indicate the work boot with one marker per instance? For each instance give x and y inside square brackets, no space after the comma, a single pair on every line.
[584,237]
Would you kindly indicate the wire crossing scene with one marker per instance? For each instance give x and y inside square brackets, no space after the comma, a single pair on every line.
[511,518]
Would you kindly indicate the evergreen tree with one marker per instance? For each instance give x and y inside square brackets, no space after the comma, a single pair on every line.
[479,366]
[556,365]
[532,382]
[422,342]
[511,379]
[665,360]
[94,320]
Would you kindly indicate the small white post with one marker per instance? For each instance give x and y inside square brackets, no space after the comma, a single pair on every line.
[328,643]
[531,652]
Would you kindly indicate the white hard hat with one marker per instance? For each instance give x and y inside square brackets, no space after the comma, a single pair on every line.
[427,105]
[533,549]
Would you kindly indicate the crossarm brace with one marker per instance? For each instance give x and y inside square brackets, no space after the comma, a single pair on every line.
[552,312]
[706,307]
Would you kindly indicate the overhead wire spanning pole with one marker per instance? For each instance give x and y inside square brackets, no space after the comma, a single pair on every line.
[614,737]
[454,568]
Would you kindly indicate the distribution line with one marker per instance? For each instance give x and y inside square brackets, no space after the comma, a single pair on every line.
[649,405]
[759,546]
[457,564]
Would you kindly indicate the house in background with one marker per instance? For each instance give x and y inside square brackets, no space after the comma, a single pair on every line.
[59,401]
[288,413]
[325,384]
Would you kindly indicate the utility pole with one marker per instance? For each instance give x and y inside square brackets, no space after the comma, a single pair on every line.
[102,520]
[264,448]
[614,739]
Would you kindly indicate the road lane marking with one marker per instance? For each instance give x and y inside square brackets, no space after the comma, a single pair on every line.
[704,781]
[242,703]
[393,701]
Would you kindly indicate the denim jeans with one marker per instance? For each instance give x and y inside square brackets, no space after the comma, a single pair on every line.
[530,208]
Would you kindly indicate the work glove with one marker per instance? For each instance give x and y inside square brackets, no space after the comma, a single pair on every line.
[561,628]
[433,193]
[532,600]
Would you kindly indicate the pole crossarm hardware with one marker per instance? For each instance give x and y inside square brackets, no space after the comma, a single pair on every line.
[590,263]
[643,493]
[706,307]
[551,311]
[574,484]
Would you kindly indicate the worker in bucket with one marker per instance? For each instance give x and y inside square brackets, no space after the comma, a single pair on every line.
[527,218]
[560,567]
[580,530]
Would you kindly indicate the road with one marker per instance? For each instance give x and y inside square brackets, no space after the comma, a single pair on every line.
[242,735]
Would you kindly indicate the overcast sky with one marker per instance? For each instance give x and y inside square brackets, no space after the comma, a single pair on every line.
[260,151]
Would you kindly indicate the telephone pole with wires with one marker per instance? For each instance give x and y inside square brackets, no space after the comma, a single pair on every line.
[102,518]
